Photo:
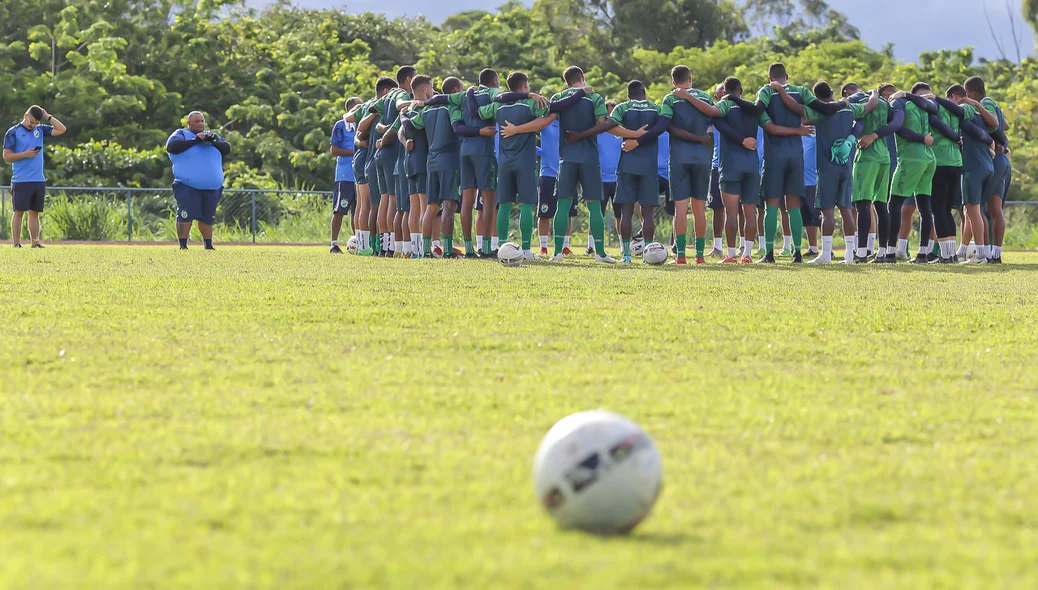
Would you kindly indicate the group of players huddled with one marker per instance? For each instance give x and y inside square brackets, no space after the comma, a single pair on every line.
[412,157]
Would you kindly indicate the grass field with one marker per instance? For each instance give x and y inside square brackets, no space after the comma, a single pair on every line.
[281,418]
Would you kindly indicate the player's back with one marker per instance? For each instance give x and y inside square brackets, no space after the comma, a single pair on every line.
[782,116]
[687,117]
[733,155]
[635,114]
[519,150]
[580,117]
[478,145]
[444,147]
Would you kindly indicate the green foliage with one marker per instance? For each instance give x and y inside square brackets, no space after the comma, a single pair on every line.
[89,219]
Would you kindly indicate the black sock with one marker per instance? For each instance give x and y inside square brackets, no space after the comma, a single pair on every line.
[183,242]
[208,244]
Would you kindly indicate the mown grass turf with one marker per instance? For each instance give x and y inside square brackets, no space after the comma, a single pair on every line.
[282,418]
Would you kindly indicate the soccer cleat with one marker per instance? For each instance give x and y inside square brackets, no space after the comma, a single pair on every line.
[820,260]
[679,260]
[715,253]
[589,252]
[544,251]
[531,257]
[861,260]
[428,255]
[746,260]
[417,256]
[567,252]
[453,255]
[334,250]
[37,245]
[637,237]
[606,259]
[813,254]
[437,251]
[977,260]
[556,258]
[902,256]
[19,246]
[368,252]
[798,258]
[625,260]
[768,258]
[920,259]
[931,257]
[729,260]
[210,248]
[785,253]
[995,260]
[700,260]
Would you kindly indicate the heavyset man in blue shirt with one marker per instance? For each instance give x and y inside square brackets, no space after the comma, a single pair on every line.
[197,156]
[23,147]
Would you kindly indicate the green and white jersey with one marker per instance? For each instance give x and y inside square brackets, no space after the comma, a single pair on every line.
[519,151]
[734,157]
[635,114]
[475,146]
[689,118]
[877,152]
[444,147]
[414,161]
[581,117]
[917,120]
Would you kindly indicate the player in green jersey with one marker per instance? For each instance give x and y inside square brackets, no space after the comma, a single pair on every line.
[871,174]
[415,150]
[388,156]
[916,164]
[378,224]
[360,160]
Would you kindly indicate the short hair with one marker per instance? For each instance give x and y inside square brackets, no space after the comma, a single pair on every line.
[886,87]
[352,102]
[451,85]
[975,84]
[732,85]
[422,80]
[719,91]
[823,91]
[36,112]
[487,77]
[956,90]
[516,80]
[919,86]
[777,70]
[193,113]
[610,105]
[681,74]
[384,84]
[635,89]
[850,88]
[572,75]
[405,72]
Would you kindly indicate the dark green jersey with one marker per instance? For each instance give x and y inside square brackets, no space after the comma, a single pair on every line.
[518,152]
[689,118]
[945,150]
[635,114]
[415,160]
[580,117]
[877,152]
[977,155]
[918,121]
[830,129]
[735,158]
[475,146]
[444,148]
[779,145]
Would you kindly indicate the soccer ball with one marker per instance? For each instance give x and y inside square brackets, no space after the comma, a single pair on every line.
[598,472]
[510,254]
[655,253]
[351,245]
[637,247]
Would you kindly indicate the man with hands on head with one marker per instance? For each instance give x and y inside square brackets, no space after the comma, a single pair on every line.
[23,147]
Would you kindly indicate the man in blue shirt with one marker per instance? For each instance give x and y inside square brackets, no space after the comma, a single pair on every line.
[547,200]
[609,149]
[808,210]
[344,196]
[23,147]
[197,157]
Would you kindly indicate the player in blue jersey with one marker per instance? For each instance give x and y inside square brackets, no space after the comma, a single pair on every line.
[197,156]
[23,148]
[344,195]
[994,195]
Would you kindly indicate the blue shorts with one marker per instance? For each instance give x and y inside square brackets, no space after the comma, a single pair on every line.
[640,189]
[690,181]
[479,172]
[587,174]
[28,196]
[783,175]
[196,205]
[517,185]
[344,197]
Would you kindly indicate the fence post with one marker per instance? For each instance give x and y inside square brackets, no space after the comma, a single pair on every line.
[3,213]
[129,216]
[253,217]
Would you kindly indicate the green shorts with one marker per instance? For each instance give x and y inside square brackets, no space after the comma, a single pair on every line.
[783,175]
[746,185]
[443,185]
[871,182]
[587,174]
[1003,176]
[834,187]
[978,186]
[479,171]
[689,181]
[517,185]
[641,189]
[913,178]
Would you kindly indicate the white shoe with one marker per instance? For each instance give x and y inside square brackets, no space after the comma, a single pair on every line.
[557,258]
[821,260]
[977,260]
[531,257]
[606,259]
[902,256]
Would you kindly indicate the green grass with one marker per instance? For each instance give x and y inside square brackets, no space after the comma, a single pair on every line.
[281,418]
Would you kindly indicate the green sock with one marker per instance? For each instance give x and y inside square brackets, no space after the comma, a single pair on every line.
[427,245]
[771,215]
[597,223]
[561,223]
[504,219]
[469,248]
[700,246]
[448,245]
[526,224]
[626,247]
[796,225]
[681,240]
[373,241]
[935,251]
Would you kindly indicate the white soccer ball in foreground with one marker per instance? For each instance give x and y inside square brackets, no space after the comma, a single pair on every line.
[597,471]
[510,254]
[351,245]
[637,247]
[655,253]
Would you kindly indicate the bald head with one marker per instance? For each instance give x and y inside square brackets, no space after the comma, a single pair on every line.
[196,121]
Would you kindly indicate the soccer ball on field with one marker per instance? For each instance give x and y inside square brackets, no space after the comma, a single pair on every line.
[510,254]
[637,247]
[351,245]
[655,253]
[598,472]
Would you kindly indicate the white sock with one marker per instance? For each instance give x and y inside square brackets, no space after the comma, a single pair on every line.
[862,252]
[543,240]
[827,247]
[881,252]
[565,242]
[407,246]
[387,239]
[902,246]
[416,243]
[493,243]
[982,251]
[731,252]
[814,249]
[760,242]
[479,243]
[848,251]
[747,247]
[335,242]
[871,243]
[362,239]
[590,241]
[717,243]
[930,245]
[527,251]
[787,242]
[996,252]
[436,243]
[961,251]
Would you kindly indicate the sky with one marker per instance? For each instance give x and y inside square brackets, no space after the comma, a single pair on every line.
[912,25]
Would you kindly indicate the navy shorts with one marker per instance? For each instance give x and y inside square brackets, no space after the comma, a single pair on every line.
[834,188]
[480,172]
[547,201]
[360,166]
[640,189]
[344,197]
[28,196]
[417,184]
[808,210]
[1003,175]
[783,175]
[517,185]
[587,174]
[194,204]
[715,201]
[443,185]
[385,167]
[978,186]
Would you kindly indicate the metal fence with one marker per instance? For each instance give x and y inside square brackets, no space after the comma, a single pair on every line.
[283,216]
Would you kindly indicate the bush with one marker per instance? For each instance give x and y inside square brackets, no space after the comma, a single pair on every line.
[87,219]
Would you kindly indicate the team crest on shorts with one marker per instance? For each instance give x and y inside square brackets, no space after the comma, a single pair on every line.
[183,213]
[544,208]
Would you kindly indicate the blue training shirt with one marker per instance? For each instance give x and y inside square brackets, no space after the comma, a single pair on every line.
[19,139]
[810,161]
[716,162]
[609,149]
[342,137]
[663,157]
[760,148]
[200,166]
[549,150]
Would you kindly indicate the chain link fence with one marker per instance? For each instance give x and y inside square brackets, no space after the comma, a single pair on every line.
[300,217]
